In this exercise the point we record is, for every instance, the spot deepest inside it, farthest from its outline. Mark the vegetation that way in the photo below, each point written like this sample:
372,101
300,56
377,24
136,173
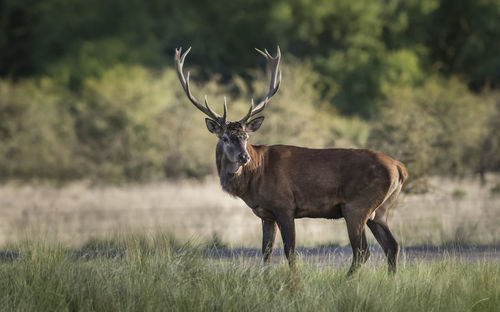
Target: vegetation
88,94
357,46
87,89
438,129
133,124
162,274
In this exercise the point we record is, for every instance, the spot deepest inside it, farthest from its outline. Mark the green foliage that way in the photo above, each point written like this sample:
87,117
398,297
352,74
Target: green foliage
357,47
466,43
490,145
90,82
297,115
36,131
117,123
131,123
435,129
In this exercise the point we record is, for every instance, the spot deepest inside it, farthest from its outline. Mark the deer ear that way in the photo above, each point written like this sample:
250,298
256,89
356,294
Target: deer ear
213,127
254,124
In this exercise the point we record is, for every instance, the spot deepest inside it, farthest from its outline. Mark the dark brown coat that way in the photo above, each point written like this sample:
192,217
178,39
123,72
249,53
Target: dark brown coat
282,183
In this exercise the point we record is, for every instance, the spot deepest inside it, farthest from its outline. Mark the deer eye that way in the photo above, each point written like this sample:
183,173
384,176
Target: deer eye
225,140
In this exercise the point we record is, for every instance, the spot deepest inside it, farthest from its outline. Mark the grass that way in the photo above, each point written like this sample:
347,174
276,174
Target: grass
158,273
74,213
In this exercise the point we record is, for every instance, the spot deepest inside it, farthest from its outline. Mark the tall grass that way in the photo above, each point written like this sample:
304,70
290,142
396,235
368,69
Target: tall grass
161,274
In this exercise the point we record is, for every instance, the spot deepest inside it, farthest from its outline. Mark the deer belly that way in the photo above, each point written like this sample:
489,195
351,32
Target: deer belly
319,211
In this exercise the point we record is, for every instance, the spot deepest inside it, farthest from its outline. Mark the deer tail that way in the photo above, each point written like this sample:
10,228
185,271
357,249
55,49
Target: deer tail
403,173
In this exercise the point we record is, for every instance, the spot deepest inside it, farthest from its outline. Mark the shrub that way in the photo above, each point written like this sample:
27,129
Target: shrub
297,115
435,129
36,131
134,124
490,145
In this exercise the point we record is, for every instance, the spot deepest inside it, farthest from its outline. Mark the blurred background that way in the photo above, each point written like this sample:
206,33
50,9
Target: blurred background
96,134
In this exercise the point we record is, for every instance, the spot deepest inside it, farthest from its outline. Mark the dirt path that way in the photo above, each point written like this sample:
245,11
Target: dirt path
340,256
323,256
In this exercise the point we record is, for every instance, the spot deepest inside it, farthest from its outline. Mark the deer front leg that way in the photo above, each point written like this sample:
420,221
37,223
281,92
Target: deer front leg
287,229
268,237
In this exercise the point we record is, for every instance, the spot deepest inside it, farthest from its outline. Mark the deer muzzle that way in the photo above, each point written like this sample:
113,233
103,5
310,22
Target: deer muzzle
244,158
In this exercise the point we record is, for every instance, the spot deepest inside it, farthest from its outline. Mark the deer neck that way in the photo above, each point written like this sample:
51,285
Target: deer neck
235,178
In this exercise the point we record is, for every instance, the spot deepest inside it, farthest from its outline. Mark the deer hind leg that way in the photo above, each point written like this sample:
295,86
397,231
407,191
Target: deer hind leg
268,238
381,231
382,211
357,236
384,237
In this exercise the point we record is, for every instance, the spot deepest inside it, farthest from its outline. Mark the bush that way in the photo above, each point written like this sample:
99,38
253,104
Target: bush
490,146
36,131
123,123
298,116
135,124
435,129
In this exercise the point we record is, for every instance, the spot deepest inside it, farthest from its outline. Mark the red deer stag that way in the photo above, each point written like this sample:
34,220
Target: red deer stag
280,183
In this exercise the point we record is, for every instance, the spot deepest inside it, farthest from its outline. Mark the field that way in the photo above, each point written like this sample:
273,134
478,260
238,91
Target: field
157,273
109,199
181,247
453,212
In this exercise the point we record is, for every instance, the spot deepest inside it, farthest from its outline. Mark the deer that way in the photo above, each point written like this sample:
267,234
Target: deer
281,183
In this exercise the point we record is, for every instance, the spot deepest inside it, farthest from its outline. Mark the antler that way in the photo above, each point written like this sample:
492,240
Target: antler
179,62
274,63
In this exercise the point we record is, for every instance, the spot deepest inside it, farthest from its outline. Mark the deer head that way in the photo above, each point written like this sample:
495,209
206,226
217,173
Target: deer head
233,136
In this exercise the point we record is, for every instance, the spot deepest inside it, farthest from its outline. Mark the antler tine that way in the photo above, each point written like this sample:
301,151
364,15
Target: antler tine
274,63
179,61
225,111
208,107
244,119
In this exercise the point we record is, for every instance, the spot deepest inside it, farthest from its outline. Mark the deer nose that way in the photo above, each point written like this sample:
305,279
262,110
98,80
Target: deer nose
244,158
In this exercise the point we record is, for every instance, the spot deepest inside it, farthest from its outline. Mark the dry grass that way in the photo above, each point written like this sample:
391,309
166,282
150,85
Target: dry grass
453,212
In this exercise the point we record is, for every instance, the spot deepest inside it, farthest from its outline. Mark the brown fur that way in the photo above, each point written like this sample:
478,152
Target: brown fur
282,183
